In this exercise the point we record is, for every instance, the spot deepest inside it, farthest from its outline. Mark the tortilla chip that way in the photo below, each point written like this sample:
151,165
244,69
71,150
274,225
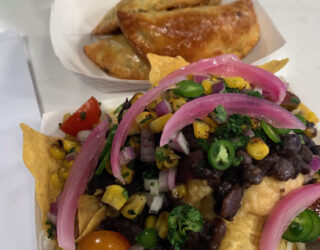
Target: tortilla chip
274,65
162,66
94,222
88,205
307,113
41,164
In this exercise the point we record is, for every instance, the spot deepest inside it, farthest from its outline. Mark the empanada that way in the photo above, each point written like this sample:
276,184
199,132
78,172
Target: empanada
115,56
109,23
193,33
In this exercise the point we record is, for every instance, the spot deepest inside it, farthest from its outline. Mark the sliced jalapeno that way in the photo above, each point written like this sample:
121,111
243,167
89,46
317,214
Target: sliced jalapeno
315,232
188,88
270,132
299,228
221,154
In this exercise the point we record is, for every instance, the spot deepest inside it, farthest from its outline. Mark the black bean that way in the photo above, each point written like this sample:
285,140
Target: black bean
223,188
299,165
232,202
291,144
247,160
283,170
267,163
305,153
316,149
219,231
252,175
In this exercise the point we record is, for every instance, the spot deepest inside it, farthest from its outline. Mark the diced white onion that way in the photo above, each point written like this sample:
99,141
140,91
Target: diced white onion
154,188
147,183
82,135
156,204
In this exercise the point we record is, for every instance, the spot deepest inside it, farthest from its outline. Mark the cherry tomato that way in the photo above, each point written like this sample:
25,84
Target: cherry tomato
83,119
104,240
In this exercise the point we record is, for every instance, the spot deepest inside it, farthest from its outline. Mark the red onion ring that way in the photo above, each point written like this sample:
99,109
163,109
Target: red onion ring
79,176
233,103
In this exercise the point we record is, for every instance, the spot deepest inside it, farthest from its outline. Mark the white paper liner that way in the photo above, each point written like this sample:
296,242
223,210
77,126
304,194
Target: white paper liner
72,21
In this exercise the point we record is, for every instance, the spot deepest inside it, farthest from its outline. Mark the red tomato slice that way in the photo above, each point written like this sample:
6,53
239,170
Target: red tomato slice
83,119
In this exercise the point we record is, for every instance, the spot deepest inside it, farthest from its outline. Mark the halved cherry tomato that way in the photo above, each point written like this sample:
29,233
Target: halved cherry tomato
104,240
83,119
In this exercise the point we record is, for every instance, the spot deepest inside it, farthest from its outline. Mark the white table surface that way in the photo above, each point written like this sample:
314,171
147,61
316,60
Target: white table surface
297,20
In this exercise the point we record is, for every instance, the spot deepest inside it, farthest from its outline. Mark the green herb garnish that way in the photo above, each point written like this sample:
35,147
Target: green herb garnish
221,113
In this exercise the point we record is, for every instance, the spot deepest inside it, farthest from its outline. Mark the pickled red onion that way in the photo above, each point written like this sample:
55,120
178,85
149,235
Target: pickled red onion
233,103
80,174
261,78
284,212
143,101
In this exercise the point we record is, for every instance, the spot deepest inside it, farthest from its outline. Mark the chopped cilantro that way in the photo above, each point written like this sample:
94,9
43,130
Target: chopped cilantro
125,194
160,156
221,113
60,124
203,144
51,231
145,120
234,128
231,90
295,100
72,150
125,174
254,93
83,115
152,184
151,173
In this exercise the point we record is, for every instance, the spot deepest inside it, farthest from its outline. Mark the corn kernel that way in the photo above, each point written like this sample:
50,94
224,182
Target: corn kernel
134,206
57,150
257,148
127,174
136,97
56,181
157,125
63,173
143,119
201,129
150,221
162,225
134,129
134,142
114,196
67,164
177,102
207,85
69,145
213,125
179,192
237,82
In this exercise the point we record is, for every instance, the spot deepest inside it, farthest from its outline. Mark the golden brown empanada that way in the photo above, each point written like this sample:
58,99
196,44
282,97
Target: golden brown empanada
115,56
109,23
193,33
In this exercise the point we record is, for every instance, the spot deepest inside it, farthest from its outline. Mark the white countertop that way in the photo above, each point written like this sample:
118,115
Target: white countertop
57,88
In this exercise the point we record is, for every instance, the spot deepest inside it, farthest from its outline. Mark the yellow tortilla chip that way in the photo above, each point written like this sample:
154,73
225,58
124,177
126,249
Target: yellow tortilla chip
88,205
41,164
95,221
162,66
307,113
274,65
